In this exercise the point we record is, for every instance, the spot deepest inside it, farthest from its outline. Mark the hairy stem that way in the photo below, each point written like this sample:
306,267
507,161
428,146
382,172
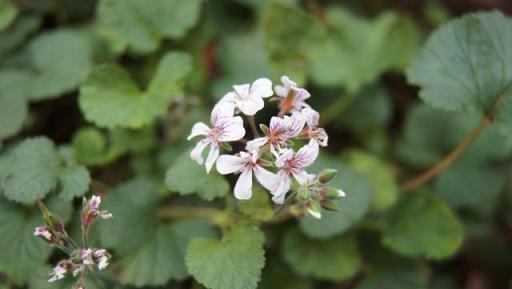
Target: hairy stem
460,149
254,128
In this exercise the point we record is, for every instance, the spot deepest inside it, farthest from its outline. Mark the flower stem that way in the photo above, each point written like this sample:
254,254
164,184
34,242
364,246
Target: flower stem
460,149
254,128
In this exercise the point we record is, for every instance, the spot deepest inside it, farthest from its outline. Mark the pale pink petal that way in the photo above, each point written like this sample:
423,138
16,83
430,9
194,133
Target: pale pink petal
221,110
256,143
242,90
232,128
227,164
196,153
302,177
264,177
301,95
306,155
212,156
250,105
262,87
198,129
288,83
243,186
284,155
294,124
280,187
228,97
277,123
312,117
280,91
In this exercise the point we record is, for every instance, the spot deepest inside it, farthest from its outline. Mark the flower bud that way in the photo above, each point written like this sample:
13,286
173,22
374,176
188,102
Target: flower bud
53,222
329,205
314,210
264,128
327,175
332,193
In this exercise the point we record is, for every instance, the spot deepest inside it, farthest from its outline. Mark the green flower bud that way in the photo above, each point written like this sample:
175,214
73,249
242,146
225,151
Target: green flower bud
327,175
332,193
314,210
329,205
303,193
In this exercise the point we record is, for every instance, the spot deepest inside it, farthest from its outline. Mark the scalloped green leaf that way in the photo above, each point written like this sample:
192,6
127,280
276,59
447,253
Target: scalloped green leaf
333,259
466,66
110,97
136,26
35,168
423,225
234,262
13,111
8,13
19,31
186,177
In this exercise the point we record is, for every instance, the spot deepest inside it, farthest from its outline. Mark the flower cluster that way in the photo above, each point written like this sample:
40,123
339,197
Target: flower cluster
272,157
80,258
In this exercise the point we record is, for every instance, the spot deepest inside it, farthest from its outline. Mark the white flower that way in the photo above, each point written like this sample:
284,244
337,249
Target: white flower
42,231
86,257
314,132
279,132
101,257
59,272
292,97
293,164
225,128
249,98
93,209
247,164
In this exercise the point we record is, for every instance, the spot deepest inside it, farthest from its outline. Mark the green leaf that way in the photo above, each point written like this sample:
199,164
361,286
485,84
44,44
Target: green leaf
133,206
423,225
162,257
58,61
333,259
288,33
471,184
235,262
378,173
13,111
36,168
22,253
186,177
74,181
352,55
420,144
139,27
92,147
258,207
15,35
466,66
352,208
110,98
8,13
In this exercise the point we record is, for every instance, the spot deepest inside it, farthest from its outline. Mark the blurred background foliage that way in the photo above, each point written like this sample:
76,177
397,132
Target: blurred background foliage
100,95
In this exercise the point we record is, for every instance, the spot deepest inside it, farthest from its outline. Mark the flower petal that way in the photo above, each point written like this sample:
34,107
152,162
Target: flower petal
242,90
306,155
250,105
227,164
261,87
232,128
280,187
243,186
294,124
222,110
312,117
196,153
264,177
302,177
256,143
284,155
198,129
212,156
288,83
280,91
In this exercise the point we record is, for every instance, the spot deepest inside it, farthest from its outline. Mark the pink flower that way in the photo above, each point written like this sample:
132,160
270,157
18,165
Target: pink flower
292,97
249,98
314,132
60,271
280,131
292,164
101,257
91,211
86,257
43,232
246,164
225,128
